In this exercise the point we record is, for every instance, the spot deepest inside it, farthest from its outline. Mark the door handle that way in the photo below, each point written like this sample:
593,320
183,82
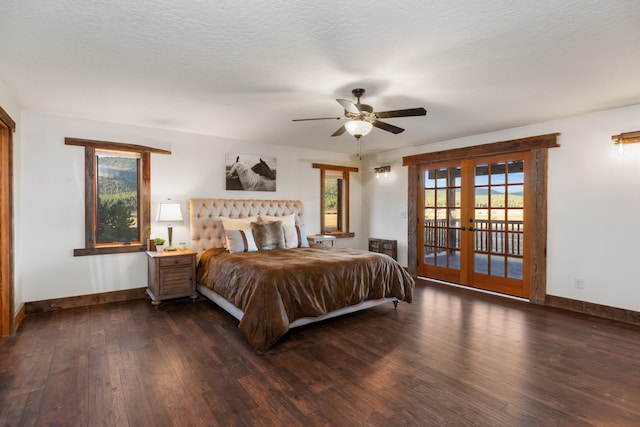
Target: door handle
463,228
472,229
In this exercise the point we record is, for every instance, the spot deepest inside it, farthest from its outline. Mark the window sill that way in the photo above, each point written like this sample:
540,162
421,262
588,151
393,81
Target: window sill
104,250
340,234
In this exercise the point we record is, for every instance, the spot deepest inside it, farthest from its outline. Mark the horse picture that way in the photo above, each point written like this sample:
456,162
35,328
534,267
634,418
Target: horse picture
263,169
259,177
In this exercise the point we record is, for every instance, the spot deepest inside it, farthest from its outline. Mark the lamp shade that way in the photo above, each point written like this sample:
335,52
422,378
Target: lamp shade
169,212
358,128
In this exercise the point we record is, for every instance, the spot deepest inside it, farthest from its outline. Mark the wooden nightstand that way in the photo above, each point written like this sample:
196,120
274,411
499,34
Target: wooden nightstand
387,247
171,275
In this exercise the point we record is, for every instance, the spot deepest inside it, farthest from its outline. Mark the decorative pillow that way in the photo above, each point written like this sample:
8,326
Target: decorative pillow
236,224
291,238
240,241
301,236
268,235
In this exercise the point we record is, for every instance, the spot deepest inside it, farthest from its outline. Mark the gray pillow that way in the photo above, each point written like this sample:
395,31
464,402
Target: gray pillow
268,235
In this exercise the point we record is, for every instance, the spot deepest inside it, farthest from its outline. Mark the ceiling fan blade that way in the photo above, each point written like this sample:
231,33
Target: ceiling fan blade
388,127
402,113
339,131
317,118
349,106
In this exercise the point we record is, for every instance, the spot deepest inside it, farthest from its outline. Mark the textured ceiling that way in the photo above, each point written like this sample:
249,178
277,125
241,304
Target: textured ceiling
244,69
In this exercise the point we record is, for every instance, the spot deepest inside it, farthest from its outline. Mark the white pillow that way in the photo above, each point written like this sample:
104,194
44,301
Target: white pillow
240,241
301,235
294,236
236,224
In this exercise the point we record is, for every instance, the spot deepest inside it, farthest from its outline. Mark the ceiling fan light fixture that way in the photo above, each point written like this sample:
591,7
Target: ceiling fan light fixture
358,128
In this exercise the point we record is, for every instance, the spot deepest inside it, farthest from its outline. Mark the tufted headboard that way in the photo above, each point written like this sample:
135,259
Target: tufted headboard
204,217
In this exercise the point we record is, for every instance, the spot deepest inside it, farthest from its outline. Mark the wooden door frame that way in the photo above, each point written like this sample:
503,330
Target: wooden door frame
537,146
7,128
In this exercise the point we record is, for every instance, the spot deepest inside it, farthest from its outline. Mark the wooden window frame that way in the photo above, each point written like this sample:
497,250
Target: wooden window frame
90,199
345,190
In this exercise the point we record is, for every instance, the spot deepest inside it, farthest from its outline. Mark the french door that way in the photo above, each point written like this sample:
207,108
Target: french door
474,217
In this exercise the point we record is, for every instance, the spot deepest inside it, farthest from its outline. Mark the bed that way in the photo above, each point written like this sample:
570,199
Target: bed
272,291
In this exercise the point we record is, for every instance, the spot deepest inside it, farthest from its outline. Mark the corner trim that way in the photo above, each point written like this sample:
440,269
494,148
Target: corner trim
55,304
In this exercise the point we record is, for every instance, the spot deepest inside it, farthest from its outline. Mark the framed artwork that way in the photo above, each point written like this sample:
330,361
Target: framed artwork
247,172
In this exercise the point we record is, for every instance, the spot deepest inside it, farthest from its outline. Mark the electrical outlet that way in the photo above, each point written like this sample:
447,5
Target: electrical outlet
403,214
579,284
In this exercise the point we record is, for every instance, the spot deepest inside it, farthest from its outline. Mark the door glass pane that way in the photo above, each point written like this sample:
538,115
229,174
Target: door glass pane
429,179
515,244
456,194
454,239
496,265
515,196
481,215
454,218
481,265
429,216
497,196
441,178
454,259
514,268
480,237
516,172
441,197
429,198
455,175
481,197
497,242
482,175
515,215
497,173
497,219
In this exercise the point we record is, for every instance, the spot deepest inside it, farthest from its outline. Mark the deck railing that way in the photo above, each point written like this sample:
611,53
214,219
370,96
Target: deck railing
489,235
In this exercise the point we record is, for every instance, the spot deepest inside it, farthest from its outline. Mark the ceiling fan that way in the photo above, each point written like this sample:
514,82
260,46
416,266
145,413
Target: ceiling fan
361,117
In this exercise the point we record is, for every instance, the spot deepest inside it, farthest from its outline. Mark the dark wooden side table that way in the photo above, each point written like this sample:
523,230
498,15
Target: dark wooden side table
387,247
172,274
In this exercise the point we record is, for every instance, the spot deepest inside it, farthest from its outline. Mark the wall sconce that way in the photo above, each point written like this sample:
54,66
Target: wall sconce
382,170
625,138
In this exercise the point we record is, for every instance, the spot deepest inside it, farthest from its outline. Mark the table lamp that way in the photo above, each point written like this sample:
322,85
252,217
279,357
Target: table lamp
169,212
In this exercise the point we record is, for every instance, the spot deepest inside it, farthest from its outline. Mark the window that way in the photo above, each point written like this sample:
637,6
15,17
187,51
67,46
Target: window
118,193
117,196
334,195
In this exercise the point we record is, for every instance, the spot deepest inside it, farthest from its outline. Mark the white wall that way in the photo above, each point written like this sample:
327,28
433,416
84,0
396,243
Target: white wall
385,198
52,191
593,204
594,195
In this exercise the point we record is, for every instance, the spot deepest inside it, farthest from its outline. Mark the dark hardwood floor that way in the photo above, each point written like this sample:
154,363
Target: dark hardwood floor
452,357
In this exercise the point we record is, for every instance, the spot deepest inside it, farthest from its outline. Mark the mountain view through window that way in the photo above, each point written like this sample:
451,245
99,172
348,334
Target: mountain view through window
117,189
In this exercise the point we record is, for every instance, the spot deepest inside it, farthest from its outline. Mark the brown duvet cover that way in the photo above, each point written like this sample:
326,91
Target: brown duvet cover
274,288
